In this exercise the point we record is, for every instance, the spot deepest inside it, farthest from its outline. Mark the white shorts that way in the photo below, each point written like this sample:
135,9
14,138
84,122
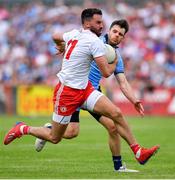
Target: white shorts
91,100
61,119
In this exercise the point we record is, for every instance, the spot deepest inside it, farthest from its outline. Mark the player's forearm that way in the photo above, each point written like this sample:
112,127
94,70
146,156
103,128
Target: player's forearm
126,89
128,92
57,38
111,67
57,42
105,72
105,68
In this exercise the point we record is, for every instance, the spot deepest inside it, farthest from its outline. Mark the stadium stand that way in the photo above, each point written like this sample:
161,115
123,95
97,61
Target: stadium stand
28,54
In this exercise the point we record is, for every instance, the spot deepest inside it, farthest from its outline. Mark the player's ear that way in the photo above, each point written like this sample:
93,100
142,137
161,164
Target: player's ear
123,37
87,24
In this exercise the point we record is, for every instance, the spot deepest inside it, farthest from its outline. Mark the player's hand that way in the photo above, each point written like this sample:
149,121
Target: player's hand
60,48
139,107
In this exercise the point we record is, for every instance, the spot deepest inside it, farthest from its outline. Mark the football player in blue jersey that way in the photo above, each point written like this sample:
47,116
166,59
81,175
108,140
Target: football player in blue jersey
116,34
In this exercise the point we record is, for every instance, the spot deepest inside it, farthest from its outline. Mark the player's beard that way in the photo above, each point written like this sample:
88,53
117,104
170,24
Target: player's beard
114,43
97,32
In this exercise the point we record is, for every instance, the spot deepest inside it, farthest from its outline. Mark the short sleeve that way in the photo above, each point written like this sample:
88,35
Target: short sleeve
120,66
97,48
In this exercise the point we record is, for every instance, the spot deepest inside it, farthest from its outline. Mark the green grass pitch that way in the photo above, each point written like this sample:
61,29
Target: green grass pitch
88,155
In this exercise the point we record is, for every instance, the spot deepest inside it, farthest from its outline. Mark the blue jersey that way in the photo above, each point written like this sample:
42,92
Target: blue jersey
95,74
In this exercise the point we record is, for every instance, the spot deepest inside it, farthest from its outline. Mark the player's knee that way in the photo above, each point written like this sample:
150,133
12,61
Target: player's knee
112,129
55,140
72,133
116,113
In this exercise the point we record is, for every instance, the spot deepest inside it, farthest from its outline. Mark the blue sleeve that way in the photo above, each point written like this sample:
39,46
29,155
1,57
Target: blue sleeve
120,66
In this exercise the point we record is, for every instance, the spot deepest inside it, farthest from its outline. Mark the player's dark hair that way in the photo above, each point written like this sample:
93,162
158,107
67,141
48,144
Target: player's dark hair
88,13
122,23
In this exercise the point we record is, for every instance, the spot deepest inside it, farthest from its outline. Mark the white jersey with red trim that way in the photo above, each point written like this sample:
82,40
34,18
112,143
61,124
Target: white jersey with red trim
81,48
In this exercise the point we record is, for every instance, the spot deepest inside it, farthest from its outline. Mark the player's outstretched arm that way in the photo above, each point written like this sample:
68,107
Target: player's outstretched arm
128,92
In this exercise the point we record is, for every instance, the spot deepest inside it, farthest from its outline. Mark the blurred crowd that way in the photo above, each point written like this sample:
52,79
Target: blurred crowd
28,52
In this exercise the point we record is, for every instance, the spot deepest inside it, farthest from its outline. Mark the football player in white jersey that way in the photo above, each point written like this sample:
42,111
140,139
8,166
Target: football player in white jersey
116,34
74,90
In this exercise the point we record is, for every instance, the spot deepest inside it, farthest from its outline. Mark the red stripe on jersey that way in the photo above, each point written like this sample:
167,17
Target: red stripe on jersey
73,44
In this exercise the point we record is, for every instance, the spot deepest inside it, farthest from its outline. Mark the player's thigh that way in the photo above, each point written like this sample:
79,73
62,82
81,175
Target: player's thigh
57,131
91,100
107,122
106,108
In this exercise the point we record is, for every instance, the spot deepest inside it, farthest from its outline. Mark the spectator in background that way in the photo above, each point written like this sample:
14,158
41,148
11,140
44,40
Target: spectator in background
25,27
